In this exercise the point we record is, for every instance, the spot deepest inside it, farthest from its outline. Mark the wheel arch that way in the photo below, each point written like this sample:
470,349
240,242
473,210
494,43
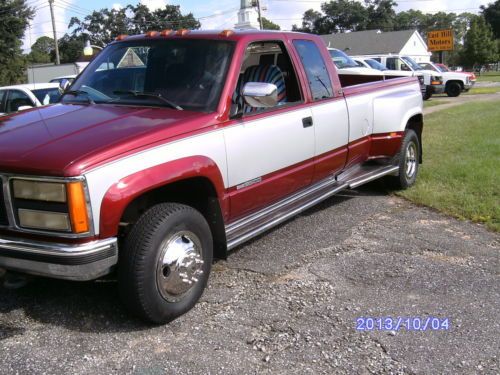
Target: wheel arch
416,123
194,181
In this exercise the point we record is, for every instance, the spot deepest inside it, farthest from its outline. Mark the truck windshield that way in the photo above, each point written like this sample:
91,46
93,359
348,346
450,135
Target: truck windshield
376,65
176,73
412,63
341,60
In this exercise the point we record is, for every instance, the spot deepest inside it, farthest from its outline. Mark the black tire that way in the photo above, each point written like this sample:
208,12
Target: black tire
427,95
407,177
453,89
139,278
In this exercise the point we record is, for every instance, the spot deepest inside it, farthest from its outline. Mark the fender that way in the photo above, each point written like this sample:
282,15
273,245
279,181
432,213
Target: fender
123,192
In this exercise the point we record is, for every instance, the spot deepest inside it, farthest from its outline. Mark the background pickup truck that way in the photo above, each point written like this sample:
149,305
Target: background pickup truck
454,82
172,148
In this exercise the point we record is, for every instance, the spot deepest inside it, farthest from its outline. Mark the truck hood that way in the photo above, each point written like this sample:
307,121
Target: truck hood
66,140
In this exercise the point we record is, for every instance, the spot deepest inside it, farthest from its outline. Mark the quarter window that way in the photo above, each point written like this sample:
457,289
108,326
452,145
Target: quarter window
315,67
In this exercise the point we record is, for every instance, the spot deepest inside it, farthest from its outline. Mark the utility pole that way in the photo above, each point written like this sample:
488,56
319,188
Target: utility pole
257,4
51,5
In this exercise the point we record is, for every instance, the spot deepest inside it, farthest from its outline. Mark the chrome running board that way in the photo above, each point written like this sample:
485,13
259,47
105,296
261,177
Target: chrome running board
261,221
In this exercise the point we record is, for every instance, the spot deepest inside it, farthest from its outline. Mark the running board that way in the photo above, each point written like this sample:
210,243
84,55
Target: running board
261,221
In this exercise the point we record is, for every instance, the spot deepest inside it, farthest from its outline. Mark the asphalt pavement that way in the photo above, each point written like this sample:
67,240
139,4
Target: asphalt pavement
289,303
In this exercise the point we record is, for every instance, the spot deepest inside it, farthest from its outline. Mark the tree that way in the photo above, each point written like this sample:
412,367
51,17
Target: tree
269,25
479,46
41,50
14,19
491,13
310,21
411,19
105,25
381,14
342,16
71,47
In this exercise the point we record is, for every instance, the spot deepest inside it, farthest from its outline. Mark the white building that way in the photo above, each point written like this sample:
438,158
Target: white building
248,17
374,42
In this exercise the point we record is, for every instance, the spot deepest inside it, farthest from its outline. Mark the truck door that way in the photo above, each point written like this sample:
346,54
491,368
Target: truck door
329,110
270,151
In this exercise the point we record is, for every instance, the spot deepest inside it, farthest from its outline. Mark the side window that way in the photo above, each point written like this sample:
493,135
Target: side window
391,63
17,99
315,67
267,62
2,97
378,59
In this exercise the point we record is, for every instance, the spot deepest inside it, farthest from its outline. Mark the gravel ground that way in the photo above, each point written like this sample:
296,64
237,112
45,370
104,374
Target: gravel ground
287,302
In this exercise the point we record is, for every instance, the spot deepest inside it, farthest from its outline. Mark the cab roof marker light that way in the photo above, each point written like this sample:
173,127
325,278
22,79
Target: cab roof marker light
182,32
151,34
121,37
227,33
167,32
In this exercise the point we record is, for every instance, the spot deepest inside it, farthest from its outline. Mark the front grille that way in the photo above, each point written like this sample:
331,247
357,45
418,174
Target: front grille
3,211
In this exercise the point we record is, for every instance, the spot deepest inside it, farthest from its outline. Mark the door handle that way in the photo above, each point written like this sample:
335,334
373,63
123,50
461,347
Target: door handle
307,122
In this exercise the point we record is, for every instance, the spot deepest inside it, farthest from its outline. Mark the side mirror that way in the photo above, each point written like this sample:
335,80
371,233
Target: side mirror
260,95
64,84
24,108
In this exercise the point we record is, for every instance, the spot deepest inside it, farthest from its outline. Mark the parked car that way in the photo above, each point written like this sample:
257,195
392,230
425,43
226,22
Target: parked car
446,68
433,80
190,146
454,82
345,64
374,64
21,97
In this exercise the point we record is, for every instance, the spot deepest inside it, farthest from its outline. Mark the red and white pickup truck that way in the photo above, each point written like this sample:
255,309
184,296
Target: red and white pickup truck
172,148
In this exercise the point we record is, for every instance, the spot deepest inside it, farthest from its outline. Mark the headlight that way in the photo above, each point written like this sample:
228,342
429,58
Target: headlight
39,191
435,80
53,206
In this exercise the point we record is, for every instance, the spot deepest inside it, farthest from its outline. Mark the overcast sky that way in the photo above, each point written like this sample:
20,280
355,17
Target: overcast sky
216,14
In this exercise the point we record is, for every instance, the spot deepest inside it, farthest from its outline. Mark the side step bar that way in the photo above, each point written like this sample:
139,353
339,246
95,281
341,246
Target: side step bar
261,221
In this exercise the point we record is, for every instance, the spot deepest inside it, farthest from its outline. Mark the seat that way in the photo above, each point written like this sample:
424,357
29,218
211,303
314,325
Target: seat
264,74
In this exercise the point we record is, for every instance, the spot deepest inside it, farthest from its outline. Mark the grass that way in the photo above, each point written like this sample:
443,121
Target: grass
483,90
460,175
489,77
433,103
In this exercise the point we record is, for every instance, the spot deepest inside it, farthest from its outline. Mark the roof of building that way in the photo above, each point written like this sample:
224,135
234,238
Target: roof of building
369,42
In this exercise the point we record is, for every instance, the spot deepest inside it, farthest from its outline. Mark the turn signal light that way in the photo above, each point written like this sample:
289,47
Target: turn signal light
77,203
151,34
182,32
121,37
227,33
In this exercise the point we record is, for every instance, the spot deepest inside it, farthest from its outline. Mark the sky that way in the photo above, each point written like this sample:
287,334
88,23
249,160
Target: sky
214,14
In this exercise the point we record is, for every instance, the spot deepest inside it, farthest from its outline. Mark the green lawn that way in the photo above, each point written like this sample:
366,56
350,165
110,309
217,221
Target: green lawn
489,77
461,171
483,90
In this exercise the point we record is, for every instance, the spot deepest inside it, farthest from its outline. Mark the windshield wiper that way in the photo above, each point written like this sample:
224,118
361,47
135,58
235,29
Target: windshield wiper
78,93
149,95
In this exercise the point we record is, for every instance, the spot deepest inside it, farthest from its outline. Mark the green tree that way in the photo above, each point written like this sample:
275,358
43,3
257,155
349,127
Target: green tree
310,21
342,16
14,19
411,19
41,50
105,25
491,13
71,47
479,46
269,25
381,14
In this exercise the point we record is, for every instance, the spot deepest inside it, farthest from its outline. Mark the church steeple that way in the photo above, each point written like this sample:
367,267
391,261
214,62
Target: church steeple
248,17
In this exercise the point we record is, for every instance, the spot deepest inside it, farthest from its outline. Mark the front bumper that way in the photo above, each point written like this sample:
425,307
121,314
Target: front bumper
470,85
80,262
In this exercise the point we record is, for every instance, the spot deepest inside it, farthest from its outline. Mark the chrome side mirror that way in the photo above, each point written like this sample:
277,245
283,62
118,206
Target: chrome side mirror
64,84
260,95
24,108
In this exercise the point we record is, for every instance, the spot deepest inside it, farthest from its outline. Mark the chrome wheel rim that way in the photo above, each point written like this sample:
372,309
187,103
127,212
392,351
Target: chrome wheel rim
180,265
411,160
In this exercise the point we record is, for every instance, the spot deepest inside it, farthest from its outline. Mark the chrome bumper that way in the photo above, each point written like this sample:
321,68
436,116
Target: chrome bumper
81,262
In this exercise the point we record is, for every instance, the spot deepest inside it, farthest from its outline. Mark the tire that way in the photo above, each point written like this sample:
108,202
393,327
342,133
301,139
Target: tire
453,89
427,95
168,248
408,161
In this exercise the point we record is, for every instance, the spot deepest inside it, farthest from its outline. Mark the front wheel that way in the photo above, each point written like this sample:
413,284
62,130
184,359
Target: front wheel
165,263
427,95
453,89
408,161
